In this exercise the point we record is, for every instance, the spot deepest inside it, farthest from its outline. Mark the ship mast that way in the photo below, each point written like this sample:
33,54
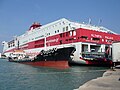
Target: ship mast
89,22
99,22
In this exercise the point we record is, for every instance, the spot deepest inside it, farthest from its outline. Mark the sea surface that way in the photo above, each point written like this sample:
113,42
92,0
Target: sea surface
16,76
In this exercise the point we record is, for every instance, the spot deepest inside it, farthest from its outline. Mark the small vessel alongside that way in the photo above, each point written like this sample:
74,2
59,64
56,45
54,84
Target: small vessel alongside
96,58
56,57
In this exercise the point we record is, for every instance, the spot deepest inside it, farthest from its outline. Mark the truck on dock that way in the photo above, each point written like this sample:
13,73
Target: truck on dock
116,53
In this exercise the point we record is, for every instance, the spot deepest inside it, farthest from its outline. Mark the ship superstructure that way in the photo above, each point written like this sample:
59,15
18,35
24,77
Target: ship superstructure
85,37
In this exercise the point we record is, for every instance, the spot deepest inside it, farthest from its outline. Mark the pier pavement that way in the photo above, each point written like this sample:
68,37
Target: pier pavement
109,81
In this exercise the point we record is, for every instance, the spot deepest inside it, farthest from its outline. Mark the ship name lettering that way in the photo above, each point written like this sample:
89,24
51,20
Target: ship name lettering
107,37
52,40
96,35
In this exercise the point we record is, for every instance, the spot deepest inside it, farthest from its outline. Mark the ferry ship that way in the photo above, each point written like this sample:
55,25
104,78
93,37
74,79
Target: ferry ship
92,43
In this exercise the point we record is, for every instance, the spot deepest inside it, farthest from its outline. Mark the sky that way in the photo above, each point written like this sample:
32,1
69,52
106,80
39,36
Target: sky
16,16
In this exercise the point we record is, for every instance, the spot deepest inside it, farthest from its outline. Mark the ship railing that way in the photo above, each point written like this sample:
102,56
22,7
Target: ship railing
93,53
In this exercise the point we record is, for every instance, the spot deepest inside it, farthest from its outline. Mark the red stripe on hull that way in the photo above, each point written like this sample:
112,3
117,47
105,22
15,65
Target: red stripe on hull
102,63
54,64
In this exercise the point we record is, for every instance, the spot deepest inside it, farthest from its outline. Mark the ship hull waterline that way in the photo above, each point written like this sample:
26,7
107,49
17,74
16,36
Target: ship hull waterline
53,64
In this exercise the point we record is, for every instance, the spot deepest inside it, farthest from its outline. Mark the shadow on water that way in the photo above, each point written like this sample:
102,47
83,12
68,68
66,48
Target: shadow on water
15,76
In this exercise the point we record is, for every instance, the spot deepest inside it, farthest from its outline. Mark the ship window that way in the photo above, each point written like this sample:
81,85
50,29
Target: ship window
64,29
74,33
60,35
102,40
67,28
71,33
60,41
71,39
63,22
67,33
48,33
66,39
56,31
63,35
109,40
84,37
73,28
96,39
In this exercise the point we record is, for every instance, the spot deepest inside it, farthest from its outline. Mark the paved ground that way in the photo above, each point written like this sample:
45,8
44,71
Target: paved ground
109,81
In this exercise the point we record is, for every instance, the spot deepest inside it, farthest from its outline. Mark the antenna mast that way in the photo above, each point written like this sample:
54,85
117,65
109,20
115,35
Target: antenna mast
99,22
89,22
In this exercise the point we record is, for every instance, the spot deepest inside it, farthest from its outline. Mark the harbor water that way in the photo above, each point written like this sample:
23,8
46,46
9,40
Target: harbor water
16,76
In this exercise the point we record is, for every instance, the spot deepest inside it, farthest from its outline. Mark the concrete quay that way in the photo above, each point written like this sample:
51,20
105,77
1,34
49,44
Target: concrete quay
109,81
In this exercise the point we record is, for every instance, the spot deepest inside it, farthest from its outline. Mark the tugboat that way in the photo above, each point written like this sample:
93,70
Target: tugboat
56,57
